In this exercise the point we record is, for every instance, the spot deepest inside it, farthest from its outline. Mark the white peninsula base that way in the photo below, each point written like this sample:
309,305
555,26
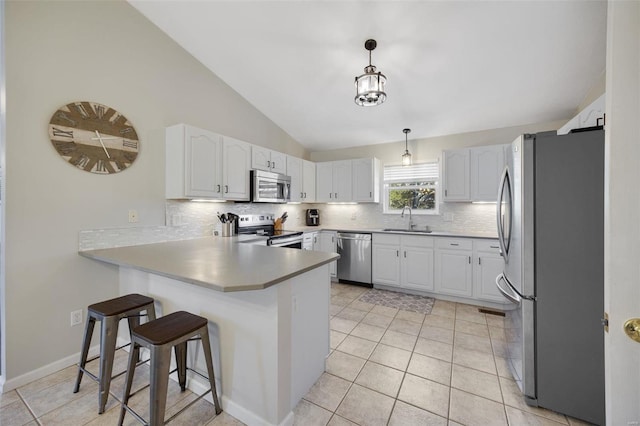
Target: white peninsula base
269,345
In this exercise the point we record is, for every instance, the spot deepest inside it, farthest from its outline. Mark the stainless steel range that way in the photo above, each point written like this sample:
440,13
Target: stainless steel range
263,224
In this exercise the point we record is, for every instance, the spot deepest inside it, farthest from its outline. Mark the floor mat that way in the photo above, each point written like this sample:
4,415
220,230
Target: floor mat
403,301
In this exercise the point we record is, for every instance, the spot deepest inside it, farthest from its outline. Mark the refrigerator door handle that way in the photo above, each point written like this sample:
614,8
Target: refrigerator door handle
503,179
507,292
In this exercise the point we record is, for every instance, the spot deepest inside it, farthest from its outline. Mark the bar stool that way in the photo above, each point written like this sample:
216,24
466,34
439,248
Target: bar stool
109,313
159,336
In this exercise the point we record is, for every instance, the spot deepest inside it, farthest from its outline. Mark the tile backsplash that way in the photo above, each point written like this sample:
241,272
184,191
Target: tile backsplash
189,219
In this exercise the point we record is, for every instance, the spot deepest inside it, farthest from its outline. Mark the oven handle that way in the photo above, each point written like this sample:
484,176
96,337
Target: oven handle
284,241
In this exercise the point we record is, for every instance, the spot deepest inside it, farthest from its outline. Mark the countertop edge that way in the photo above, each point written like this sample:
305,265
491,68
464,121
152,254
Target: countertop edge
407,232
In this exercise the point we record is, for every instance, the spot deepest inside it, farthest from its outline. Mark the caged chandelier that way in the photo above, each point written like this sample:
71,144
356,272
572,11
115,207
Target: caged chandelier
370,85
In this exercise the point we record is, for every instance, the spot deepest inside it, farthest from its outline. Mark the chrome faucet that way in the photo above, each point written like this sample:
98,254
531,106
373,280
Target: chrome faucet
410,227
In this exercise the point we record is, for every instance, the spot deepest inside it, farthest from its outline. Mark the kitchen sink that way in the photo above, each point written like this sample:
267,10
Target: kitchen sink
421,231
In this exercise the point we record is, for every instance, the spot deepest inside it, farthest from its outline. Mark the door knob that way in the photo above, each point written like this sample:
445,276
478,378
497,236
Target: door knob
632,328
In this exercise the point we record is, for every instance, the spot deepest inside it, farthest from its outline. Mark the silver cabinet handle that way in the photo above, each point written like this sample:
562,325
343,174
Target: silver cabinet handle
469,260
305,195
397,253
405,254
219,188
494,246
454,244
330,195
479,261
268,164
273,164
336,194
445,192
370,194
301,195
226,189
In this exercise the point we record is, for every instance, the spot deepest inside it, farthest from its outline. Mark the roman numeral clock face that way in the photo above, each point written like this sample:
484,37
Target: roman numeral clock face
94,137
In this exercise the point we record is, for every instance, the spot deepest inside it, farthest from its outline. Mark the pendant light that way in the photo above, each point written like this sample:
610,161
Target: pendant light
406,157
370,85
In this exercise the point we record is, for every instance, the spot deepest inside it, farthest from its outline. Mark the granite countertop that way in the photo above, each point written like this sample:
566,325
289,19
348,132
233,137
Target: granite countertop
218,263
407,232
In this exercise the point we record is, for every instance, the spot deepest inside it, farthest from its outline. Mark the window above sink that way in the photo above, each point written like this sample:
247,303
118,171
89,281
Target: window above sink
415,186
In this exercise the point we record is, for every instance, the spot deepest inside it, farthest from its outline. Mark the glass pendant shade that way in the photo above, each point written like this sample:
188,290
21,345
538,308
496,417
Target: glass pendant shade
370,87
406,158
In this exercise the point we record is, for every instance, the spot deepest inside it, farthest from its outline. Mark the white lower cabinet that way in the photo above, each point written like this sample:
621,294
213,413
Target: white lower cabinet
385,257
328,241
487,265
403,260
453,269
417,263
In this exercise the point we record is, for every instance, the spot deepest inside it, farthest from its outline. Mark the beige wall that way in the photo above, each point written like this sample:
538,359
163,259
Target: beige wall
431,148
58,52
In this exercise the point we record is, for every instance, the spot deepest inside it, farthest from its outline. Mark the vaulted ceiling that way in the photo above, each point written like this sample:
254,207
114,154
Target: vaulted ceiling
451,66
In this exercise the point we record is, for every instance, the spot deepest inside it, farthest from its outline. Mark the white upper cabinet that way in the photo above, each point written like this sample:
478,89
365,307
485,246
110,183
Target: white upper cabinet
334,181
203,164
303,179
266,159
235,169
308,181
456,175
366,175
486,166
591,116
473,174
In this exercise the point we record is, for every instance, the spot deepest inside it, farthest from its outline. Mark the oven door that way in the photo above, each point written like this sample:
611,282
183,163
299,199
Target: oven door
267,187
293,241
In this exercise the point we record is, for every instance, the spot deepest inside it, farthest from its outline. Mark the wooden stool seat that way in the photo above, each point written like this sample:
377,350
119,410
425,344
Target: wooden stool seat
160,336
109,313
168,328
120,305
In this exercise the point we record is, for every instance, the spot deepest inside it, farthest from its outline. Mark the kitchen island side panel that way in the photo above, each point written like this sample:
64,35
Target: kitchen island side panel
255,345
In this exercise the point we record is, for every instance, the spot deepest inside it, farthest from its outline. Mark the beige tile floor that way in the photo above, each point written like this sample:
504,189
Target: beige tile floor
386,367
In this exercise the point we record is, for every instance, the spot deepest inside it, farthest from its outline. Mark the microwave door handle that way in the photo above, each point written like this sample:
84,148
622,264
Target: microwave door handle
287,189
503,180
508,292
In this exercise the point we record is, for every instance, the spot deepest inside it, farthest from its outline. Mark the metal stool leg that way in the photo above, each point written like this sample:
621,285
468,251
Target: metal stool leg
133,356
206,348
86,342
160,364
109,334
181,364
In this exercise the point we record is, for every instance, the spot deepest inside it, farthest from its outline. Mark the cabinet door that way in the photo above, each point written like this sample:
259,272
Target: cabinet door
385,267
342,181
260,158
417,269
308,181
453,272
487,164
456,175
236,165
279,162
487,267
294,169
327,241
366,180
202,157
324,182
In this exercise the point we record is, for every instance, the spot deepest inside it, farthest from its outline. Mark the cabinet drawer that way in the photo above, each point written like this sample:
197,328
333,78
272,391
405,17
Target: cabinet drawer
487,245
386,239
417,241
454,243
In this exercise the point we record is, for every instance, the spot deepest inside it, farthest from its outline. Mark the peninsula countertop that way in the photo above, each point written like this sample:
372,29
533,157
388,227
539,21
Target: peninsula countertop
219,263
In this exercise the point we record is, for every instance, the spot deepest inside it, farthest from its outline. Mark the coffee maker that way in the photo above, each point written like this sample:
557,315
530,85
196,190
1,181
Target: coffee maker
313,217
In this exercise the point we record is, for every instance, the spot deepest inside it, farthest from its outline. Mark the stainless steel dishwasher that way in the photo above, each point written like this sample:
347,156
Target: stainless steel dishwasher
354,264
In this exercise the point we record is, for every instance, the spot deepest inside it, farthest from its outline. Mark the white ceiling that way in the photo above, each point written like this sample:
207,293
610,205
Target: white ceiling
451,66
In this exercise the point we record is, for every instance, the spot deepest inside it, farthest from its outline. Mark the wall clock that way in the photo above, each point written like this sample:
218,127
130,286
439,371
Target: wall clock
94,137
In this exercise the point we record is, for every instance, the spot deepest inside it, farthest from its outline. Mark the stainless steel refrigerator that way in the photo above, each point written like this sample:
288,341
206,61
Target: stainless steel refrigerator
551,232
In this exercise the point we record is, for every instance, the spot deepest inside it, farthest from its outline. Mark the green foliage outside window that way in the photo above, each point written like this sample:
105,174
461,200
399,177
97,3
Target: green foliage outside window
417,195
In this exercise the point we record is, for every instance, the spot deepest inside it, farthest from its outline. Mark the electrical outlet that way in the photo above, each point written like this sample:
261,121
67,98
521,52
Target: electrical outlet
133,216
76,317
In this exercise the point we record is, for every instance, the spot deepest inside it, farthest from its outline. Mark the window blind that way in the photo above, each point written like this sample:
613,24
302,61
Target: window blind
415,172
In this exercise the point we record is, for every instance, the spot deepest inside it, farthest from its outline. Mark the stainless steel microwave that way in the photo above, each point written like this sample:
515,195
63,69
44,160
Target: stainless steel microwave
269,187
